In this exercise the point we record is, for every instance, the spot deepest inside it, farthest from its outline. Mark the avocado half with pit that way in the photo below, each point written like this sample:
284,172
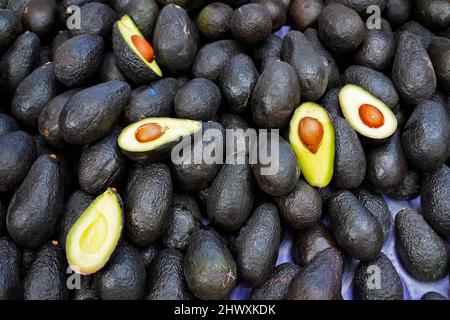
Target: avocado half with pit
134,54
152,139
311,135
366,114
94,236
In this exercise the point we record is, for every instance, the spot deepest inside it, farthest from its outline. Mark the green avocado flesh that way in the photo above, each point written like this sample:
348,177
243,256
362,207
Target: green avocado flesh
317,167
127,29
95,235
351,98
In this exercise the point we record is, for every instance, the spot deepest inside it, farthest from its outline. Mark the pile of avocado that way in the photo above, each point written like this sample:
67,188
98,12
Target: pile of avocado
99,201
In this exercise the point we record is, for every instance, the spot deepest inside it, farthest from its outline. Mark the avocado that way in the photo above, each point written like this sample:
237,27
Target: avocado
49,122
39,16
426,136
308,243
86,290
109,69
209,267
276,94
148,203
263,53
434,14
304,14
435,196
276,10
95,18
185,221
410,60
386,165
427,259
389,287
277,174
431,295
373,81
35,208
419,30
366,114
311,135
149,254
199,99
78,59
440,56
33,94
277,285
124,277
361,6
302,207
7,124
237,82
330,102
144,14
3,212
59,39
10,261
340,28
311,72
213,57
17,156
91,113
134,57
18,62
354,228
9,29
348,150
166,278
410,187
398,11
17,6
230,197
153,138
320,279
214,20
28,256
251,24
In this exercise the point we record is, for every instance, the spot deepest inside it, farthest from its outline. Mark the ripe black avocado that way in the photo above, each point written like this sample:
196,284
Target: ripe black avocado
277,285
96,18
409,188
330,101
10,262
3,212
434,14
149,254
440,56
270,48
39,16
431,295
144,14
305,13
398,11
361,6
214,20
9,29
251,24
109,70
7,124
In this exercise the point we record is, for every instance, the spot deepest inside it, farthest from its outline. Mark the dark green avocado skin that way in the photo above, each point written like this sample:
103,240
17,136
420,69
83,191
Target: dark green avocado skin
174,40
144,14
230,197
35,208
304,14
398,11
302,207
433,296
320,279
148,203
18,62
96,18
270,49
419,30
276,287
256,246
10,260
355,229
348,149
426,136
391,287
251,24
311,72
386,165
412,59
101,165
276,95
75,205
78,59
46,279
427,259
435,200
33,94
214,20
440,56
9,29
410,187
7,124
166,277
373,81
330,102
310,242
109,70
434,14
124,277
209,267
91,113
17,156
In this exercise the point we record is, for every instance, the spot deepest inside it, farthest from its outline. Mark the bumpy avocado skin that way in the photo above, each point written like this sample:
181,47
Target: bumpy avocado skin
355,229
109,70
209,267
426,136
433,296
9,29
7,124
166,277
433,13
46,279
361,6
3,212
427,259
410,187
39,16
391,287
270,49
440,56
96,18
148,202
214,20
330,102
251,24
419,30
398,11
10,261
304,13
144,14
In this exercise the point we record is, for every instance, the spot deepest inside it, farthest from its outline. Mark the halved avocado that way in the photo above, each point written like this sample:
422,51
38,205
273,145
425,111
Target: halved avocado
152,139
95,235
311,135
132,52
366,114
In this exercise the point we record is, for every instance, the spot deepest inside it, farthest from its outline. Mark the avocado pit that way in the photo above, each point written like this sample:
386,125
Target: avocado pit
310,131
371,116
143,47
149,132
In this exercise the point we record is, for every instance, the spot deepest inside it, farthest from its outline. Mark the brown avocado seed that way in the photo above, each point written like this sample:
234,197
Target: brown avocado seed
310,131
